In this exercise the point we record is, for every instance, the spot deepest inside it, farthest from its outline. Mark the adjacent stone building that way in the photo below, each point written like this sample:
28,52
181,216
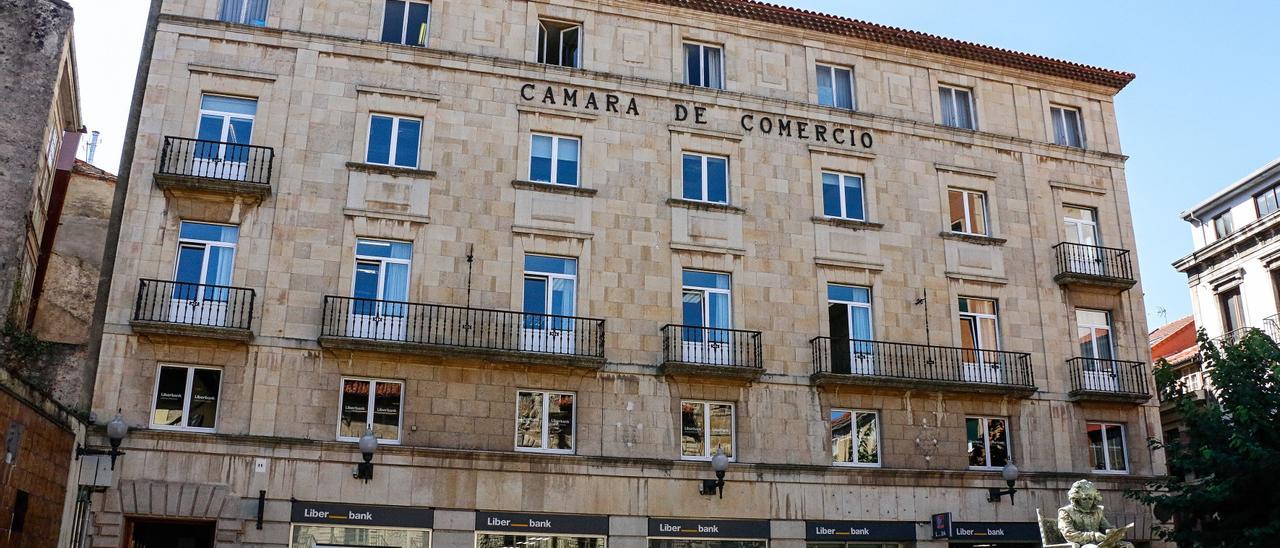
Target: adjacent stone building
556,258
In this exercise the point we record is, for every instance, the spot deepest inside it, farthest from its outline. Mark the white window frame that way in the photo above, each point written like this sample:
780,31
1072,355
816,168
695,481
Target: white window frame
186,398
968,214
849,313
1106,454
854,434
1058,114
242,17
404,24
555,160
728,197
1093,331
986,440
544,32
862,184
973,111
546,417
395,140
373,390
707,450
382,266
205,245
550,278
51,148
977,317
702,47
706,302
853,90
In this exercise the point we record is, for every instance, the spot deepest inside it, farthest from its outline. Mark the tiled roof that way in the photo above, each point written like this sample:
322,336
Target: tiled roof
1184,355
1158,334
89,170
832,24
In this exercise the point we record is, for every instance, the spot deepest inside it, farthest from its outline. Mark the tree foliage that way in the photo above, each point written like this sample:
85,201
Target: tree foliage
1223,487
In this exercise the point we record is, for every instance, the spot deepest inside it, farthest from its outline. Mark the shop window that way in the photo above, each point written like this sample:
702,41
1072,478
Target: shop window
988,442
370,404
855,437
705,427
186,398
544,421
1107,447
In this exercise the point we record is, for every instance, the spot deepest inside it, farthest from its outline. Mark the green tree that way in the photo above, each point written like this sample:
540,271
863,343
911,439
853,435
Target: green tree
1223,486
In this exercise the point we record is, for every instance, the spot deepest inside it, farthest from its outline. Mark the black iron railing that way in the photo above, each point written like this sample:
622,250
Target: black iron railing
918,362
216,160
1092,260
202,305
1232,337
1271,326
711,346
440,325
1108,376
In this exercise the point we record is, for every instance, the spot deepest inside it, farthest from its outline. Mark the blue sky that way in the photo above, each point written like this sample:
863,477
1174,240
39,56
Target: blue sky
1202,113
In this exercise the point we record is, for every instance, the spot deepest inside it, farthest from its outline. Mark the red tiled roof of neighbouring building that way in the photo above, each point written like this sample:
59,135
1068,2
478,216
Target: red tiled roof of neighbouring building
1174,338
87,169
844,26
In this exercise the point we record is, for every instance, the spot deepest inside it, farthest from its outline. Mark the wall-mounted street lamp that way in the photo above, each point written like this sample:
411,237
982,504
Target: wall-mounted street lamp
368,444
1010,475
116,431
719,464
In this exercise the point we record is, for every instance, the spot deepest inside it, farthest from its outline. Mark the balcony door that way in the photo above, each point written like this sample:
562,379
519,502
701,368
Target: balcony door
1081,224
226,125
550,293
980,341
206,254
1232,314
706,308
1093,334
380,290
855,302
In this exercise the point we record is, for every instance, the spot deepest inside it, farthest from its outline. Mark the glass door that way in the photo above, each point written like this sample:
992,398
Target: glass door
206,253
550,295
380,290
980,341
226,126
1082,229
1093,333
857,304
706,309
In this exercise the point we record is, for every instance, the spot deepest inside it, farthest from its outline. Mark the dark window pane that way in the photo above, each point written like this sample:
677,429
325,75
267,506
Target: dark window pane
170,394
998,433
977,443
868,439
407,143
569,43
718,180
1097,455
853,197
560,422
841,436
354,412
540,159
379,150
386,410
542,42
831,195
693,65
204,397
393,22
529,419
692,434
416,30
692,177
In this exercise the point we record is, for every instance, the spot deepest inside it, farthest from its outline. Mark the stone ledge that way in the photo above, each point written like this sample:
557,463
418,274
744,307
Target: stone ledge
392,170
854,224
1109,397
838,379
191,183
973,238
184,330
1110,283
553,188
705,206
699,370
517,357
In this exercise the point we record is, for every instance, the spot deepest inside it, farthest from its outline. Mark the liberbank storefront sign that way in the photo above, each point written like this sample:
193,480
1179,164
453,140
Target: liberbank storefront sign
749,533
744,121
860,531
338,524
520,529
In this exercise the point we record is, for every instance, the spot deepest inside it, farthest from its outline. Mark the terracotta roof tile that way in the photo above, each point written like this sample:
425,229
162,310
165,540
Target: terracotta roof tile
1158,334
844,26
87,169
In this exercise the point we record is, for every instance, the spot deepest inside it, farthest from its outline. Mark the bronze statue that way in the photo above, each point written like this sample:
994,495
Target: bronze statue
1082,522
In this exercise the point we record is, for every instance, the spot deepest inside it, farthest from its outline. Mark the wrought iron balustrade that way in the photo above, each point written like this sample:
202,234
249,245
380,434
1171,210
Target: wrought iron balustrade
906,362
197,305
1109,377
461,327
216,160
1091,261
712,346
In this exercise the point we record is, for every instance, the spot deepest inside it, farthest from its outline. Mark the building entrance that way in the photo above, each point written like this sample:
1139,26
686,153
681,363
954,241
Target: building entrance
168,534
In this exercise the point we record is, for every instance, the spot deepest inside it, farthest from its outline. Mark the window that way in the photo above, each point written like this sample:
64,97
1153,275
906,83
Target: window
224,123
51,148
554,159
245,12
1232,308
1081,224
835,87
1222,225
369,403
186,398
206,253
855,437
980,339
706,178
703,66
842,196
968,211
550,287
544,421
558,43
406,22
1267,202
706,300
856,302
704,427
1107,448
379,290
988,442
1093,333
1067,128
957,107
393,141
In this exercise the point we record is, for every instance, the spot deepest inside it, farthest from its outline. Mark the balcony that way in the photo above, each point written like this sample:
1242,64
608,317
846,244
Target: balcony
1094,267
200,310
215,167
432,329
1108,380
710,352
918,366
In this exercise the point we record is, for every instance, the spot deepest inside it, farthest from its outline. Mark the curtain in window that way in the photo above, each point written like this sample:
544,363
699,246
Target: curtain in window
256,13
218,272
711,57
562,299
826,88
947,99
395,287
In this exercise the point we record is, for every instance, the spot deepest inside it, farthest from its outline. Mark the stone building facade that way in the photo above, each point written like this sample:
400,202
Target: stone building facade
554,254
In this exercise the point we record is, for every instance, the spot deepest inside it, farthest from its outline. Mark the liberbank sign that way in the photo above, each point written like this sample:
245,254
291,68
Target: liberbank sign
333,513
747,121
